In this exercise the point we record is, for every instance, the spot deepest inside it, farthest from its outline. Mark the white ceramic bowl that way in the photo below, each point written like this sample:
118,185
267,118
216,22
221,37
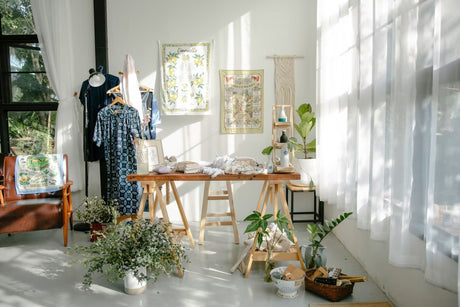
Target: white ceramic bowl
286,288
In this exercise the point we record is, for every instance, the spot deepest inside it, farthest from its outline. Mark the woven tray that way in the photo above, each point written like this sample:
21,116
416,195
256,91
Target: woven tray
330,292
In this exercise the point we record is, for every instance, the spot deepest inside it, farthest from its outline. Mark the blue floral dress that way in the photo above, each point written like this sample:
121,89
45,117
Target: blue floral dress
115,127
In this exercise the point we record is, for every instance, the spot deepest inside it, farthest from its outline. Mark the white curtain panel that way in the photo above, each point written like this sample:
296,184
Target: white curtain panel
389,124
52,20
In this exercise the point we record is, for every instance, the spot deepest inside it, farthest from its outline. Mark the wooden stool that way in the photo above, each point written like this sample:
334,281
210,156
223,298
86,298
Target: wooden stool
318,211
217,195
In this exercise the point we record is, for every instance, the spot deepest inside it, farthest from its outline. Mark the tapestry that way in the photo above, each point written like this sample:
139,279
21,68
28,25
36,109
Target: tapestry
39,174
185,78
242,101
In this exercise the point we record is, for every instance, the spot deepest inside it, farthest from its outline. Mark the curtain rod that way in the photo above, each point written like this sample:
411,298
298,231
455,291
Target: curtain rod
284,56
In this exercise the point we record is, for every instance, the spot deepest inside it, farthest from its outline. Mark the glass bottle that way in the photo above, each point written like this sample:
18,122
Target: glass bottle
282,116
284,161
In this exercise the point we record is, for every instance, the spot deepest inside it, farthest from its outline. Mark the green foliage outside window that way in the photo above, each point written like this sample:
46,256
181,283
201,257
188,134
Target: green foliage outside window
31,131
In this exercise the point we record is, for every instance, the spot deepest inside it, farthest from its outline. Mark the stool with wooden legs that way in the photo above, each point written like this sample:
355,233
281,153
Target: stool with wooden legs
217,195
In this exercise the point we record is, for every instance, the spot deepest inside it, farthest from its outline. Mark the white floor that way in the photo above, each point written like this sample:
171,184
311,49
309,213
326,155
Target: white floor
35,271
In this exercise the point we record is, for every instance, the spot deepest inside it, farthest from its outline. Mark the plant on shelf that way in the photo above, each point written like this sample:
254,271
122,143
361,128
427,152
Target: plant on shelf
142,248
303,128
96,212
305,164
313,258
270,238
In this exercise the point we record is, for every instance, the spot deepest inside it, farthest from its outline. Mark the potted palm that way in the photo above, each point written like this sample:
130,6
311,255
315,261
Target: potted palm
97,213
269,238
306,164
314,255
139,249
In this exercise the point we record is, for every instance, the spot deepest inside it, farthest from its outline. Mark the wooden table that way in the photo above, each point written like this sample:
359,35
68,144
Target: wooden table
272,192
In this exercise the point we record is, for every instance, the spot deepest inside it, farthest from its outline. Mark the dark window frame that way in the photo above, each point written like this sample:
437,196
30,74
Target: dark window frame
6,103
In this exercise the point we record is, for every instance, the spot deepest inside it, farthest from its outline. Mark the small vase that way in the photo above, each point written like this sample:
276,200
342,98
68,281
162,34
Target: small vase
310,260
269,266
132,285
282,116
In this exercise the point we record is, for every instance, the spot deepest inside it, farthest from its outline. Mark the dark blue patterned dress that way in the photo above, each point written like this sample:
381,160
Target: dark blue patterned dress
115,127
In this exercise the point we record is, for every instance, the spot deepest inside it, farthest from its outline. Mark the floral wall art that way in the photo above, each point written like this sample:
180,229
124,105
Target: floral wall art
242,101
185,78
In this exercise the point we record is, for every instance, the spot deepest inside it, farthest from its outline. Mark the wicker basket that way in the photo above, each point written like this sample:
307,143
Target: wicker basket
330,292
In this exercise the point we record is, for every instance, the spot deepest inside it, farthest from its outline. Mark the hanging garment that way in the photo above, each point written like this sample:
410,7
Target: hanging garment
152,115
129,86
115,127
96,100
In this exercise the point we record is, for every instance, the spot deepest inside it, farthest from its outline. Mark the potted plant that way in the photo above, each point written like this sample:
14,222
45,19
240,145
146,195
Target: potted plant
139,249
269,238
305,163
314,255
95,212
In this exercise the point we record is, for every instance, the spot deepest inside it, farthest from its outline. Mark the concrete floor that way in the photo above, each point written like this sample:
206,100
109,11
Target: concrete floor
35,271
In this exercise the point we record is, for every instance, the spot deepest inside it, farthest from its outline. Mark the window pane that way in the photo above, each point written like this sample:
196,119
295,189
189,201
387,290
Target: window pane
29,82
31,132
26,57
16,17
31,87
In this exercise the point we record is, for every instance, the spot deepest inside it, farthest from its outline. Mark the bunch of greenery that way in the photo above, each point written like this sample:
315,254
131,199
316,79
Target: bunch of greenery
95,210
318,232
259,224
307,122
129,246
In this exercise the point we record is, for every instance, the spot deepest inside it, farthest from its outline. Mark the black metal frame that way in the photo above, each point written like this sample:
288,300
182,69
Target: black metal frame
318,207
6,103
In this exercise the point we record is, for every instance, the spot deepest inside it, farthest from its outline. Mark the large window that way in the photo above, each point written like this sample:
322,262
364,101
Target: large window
27,103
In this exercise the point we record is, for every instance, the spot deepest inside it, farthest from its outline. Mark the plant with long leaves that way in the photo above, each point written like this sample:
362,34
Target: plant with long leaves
318,232
259,221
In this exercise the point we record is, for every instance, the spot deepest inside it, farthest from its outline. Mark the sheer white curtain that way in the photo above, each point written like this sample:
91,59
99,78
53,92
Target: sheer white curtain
389,124
52,20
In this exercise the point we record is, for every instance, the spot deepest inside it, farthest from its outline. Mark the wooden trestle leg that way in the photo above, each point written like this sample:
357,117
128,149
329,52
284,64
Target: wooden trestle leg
272,190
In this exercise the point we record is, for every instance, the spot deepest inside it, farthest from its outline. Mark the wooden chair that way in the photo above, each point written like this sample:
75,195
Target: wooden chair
30,212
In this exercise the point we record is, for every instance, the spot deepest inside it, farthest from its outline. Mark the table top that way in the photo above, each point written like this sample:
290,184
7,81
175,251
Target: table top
176,176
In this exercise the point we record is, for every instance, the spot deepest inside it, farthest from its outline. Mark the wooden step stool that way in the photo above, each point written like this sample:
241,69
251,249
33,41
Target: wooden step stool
217,195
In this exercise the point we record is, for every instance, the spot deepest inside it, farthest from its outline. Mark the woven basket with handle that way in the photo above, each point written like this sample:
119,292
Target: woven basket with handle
330,292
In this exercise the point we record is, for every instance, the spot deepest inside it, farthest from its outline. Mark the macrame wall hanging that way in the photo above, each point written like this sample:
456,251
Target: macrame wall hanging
284,79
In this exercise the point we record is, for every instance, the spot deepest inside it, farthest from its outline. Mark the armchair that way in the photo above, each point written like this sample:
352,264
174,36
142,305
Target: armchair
39,211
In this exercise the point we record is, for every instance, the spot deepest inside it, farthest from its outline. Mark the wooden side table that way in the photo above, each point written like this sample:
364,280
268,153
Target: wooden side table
318,205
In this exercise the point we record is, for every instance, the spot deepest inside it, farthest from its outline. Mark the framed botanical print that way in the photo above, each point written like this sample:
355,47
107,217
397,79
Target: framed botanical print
149,155
242,101
185,71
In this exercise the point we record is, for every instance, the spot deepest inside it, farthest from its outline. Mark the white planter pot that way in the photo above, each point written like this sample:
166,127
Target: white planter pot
133,285
307,170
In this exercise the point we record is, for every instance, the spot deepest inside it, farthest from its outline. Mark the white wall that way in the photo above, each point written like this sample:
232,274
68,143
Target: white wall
244,33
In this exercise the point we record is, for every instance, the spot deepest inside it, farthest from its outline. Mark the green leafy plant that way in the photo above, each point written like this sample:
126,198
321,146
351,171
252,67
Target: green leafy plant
94,209
129,246
318,232
307,122
259,225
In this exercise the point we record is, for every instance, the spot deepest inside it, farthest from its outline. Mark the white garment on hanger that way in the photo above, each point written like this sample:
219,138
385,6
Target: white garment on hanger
129,86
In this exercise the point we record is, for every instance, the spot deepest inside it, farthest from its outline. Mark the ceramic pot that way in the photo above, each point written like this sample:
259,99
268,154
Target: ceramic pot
320,259
134,286
307,170
96,227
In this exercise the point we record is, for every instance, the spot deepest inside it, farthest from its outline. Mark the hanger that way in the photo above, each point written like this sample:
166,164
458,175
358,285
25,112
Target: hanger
118,100
114,90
